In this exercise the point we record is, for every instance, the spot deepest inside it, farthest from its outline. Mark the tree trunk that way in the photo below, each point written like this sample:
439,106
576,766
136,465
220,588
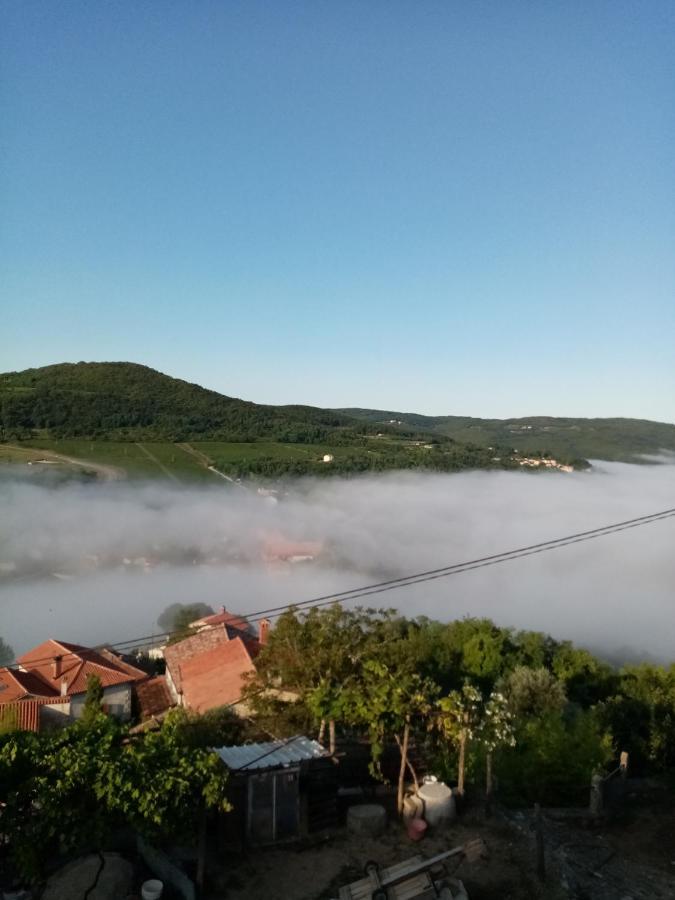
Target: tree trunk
410,766
461,763
401,771
322,731
331,737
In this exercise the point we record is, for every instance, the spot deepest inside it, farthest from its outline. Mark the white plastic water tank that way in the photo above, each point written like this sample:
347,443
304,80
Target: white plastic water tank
439,804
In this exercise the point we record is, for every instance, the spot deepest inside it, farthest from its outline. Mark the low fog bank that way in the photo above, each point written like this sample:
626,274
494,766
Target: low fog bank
99,563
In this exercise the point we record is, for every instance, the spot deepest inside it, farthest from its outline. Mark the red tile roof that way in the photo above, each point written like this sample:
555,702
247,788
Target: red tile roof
25,714
153,697
215,677
59,663
177,654
231,621
15,685
277,549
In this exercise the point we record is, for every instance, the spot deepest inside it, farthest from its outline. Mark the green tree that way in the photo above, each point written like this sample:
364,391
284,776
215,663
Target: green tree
93,702
553,759
67,791
387,701
179,615
533,692
496,729
6,653
459,715
316,656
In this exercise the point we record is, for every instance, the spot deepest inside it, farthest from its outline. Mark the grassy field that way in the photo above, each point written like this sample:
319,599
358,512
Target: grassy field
187,463
261,449
184,463
127,459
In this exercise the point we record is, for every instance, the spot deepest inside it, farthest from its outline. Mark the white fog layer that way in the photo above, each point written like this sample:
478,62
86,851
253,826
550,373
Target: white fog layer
99,563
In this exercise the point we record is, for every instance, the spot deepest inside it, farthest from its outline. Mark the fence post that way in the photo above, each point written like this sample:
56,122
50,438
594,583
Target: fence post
595,804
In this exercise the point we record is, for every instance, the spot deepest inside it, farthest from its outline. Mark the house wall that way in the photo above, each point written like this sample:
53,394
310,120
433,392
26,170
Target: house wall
116,700
54,715
175,696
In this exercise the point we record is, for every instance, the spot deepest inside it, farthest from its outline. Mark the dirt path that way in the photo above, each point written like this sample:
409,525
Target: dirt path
107,472
202,457
160,465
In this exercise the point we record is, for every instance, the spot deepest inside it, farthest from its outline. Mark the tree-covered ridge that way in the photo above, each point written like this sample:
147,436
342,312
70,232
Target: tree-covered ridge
612,439
119,400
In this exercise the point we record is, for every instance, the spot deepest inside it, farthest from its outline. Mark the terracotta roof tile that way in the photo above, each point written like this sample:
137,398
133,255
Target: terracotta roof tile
153,696
15,684
59,663
215,677
226,618
177,654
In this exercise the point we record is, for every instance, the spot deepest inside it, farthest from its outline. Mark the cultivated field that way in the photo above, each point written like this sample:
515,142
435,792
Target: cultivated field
184,462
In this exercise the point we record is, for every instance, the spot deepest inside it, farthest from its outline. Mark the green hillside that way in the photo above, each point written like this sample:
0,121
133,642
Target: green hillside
125,401
611,439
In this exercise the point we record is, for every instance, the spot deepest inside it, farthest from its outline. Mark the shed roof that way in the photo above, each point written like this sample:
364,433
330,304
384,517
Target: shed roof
271,755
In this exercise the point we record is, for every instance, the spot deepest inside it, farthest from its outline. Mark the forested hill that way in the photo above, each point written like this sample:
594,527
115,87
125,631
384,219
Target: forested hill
612,439
126,401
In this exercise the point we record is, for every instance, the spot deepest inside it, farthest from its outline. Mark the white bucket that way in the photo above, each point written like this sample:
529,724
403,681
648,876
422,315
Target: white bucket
152,889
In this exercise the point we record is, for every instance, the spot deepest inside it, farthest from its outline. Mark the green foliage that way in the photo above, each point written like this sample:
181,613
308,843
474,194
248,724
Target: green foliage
125,401
641,716
9,719
179,615
93,702
67,791
553,759
384,700
533,692
6,653
569,440
567,710
315,655
219,727
114,403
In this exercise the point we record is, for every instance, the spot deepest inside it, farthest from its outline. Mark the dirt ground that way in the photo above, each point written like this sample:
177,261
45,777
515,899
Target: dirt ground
317,872
628,853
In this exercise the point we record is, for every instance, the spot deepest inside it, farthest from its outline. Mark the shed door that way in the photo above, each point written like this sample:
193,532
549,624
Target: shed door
261,808
273,806
287,798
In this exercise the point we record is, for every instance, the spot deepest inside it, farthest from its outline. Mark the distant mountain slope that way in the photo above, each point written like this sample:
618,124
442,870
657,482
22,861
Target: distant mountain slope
611,439
129,401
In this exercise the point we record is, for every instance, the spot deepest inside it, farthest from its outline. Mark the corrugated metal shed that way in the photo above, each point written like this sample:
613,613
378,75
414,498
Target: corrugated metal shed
271,755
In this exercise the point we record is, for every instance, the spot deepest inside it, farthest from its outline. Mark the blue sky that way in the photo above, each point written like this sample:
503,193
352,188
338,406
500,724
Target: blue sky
446,207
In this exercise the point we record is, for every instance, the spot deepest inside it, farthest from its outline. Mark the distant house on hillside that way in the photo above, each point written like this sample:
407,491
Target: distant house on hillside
277,549
208,669
55,674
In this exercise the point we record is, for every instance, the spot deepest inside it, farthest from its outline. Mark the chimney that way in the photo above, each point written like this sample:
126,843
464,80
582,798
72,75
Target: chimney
56,667
223,609
263,631
64,687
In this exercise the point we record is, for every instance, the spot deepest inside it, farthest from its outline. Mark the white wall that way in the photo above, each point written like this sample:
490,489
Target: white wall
116,699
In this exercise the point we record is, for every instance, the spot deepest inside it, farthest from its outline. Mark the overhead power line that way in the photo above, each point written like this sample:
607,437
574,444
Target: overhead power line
417,578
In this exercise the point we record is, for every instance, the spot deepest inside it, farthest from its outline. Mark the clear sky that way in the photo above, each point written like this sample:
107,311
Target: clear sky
444,207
